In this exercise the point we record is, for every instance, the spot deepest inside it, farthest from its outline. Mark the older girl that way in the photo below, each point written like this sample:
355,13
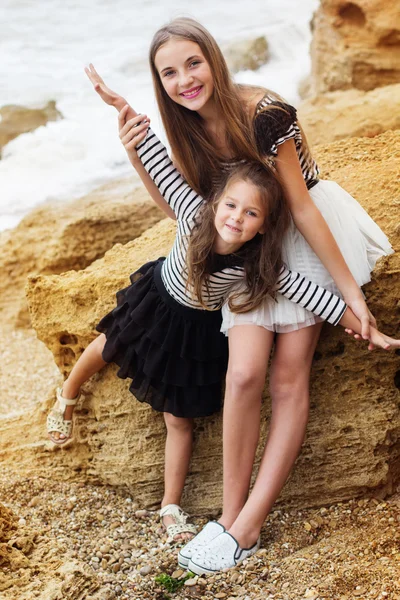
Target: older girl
212,124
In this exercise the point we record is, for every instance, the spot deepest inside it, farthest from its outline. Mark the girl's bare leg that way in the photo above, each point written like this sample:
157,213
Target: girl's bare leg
289,386
178,451
89,363
249,349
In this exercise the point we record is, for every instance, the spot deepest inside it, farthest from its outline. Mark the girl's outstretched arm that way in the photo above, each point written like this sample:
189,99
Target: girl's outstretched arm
300,290
113,99
353,325
314,228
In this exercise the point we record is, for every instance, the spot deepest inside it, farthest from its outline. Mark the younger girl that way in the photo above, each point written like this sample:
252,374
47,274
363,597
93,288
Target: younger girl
164,333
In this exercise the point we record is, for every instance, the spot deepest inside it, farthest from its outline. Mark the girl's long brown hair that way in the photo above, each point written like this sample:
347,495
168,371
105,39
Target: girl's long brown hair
191,145
262,260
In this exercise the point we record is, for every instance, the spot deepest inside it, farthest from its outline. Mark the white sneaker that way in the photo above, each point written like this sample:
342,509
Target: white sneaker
221,553
204,537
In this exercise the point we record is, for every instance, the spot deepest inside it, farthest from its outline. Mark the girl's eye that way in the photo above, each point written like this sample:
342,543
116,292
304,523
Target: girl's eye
251,213
167,73
194,63
230,205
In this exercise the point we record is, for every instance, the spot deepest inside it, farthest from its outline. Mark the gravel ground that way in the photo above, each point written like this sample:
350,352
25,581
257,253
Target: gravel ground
345,551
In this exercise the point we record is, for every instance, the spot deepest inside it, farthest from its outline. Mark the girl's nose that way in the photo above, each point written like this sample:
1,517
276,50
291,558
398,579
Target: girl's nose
185,79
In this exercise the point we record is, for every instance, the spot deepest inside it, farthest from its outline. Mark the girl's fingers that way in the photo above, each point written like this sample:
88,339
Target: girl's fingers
365,327
132,145
121,115
134,133
131,124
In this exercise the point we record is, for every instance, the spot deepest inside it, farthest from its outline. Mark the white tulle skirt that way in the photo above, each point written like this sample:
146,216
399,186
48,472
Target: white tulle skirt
360,240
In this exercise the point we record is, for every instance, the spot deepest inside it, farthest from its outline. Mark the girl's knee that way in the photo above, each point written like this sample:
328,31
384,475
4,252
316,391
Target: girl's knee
290,383
178,423
242,378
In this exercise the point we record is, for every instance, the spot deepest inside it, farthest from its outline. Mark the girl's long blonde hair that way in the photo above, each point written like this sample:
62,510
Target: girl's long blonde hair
261,256
191,145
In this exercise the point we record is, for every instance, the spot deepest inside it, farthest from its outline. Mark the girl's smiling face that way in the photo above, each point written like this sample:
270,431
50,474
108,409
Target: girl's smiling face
185,74
239,216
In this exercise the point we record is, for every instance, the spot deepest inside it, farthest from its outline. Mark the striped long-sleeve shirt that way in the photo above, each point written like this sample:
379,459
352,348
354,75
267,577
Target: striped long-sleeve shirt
186,203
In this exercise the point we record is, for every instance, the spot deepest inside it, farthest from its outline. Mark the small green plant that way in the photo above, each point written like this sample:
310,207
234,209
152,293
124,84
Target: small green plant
171,584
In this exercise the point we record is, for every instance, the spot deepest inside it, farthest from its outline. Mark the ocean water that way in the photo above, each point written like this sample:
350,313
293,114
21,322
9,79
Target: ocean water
44,47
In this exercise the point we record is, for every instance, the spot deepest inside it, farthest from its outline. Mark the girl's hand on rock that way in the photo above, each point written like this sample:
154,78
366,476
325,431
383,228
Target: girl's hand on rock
377,339
132,131
106,94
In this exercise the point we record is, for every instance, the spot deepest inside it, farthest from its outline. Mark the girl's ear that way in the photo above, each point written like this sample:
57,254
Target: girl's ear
262,230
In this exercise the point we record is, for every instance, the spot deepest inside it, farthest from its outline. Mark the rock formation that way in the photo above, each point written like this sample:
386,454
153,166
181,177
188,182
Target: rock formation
19,119
350,113
33,566
247,54
59,237
352,443
355,45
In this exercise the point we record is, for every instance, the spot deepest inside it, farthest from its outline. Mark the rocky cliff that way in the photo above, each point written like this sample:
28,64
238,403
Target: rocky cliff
350,113
15,120
352,441
355,45
59,237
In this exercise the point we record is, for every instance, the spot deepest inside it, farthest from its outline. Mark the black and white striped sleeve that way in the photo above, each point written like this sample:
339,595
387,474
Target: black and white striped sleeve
311,296
173,187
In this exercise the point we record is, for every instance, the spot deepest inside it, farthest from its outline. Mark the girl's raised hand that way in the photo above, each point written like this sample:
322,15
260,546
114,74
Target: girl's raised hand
105,93
132,131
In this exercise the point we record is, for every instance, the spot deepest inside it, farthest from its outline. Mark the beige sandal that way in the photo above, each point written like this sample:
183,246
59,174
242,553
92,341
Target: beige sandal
56,421
180,525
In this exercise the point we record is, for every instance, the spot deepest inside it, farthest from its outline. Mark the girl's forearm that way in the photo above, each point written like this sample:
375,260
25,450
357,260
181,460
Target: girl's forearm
350,321
152,189
141,171
314,228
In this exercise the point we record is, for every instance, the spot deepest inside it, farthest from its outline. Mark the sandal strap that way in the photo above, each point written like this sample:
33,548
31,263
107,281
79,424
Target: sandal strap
66,401
176,528
173,510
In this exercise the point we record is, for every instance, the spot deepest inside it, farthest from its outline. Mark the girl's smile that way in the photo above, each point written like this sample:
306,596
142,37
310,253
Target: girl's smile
185,74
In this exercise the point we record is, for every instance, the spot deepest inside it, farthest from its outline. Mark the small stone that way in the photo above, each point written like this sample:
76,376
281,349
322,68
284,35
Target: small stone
95,559
311,594
140,514
307,526
115,525
192,581
22,522
34,501
220,595
116,567
178,573
104,564
146,570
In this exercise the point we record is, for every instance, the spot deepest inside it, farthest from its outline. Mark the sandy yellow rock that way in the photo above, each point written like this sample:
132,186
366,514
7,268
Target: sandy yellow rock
355,45
352,439
59,237
249,54
19,119
350,113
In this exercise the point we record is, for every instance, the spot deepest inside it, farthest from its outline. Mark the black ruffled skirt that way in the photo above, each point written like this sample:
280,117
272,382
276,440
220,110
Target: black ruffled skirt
176,356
